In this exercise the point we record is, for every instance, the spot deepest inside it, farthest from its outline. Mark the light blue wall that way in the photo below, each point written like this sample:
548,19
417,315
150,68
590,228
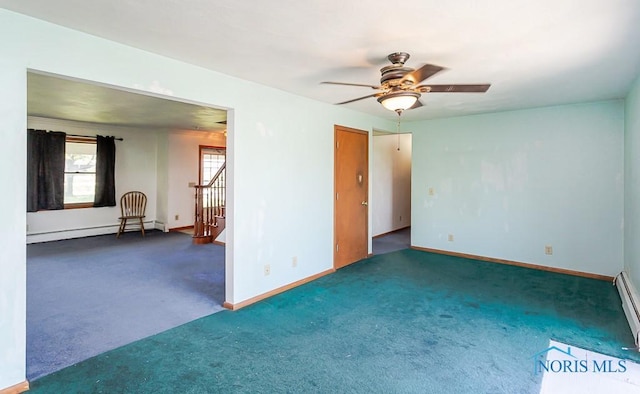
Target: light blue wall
507,184
632,184
280,163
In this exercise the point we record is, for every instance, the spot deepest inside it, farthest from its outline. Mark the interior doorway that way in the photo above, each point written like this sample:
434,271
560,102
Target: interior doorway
391,191
210,209
113,276
351,206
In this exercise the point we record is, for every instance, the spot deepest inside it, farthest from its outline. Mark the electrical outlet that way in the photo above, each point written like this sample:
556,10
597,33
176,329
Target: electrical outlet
267,269
450,237
548,249
294,261
177,217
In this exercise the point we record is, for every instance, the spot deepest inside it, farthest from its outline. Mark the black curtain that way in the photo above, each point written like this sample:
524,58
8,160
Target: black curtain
45,170
105,172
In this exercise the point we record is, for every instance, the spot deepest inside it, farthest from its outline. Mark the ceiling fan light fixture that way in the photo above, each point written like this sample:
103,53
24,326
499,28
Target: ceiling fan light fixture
399,101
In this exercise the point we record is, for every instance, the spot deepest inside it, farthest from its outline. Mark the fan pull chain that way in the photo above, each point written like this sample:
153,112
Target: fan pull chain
399,112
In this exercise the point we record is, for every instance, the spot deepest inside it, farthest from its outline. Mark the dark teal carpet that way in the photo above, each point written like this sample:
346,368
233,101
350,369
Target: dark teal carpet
403,322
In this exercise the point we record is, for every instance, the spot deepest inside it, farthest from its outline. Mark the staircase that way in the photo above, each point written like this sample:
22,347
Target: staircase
210,212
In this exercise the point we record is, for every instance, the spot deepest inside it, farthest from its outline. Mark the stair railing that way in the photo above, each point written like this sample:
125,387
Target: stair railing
210,201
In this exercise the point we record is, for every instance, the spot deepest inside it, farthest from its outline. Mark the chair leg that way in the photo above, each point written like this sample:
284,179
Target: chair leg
123,223
142,227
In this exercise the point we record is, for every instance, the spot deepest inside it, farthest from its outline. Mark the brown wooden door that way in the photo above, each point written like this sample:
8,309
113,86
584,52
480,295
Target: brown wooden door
351,196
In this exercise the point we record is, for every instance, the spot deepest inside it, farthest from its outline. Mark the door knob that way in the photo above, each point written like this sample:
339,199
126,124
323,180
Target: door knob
365,203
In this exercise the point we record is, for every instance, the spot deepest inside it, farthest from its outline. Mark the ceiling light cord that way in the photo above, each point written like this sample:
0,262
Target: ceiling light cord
399,112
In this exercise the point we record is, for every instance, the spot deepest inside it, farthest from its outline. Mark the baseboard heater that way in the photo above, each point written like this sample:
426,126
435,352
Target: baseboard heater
630,304
57,235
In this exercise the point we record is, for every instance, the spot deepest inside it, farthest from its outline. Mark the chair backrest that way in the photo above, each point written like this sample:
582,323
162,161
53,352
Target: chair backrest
133,204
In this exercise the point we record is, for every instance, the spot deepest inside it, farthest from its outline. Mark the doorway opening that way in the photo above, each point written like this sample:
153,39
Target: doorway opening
391,191
211,196
88,292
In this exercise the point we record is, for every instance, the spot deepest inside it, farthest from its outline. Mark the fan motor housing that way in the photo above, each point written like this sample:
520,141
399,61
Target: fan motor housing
393,72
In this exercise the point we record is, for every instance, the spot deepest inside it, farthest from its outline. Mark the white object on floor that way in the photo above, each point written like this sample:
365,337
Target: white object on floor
592,380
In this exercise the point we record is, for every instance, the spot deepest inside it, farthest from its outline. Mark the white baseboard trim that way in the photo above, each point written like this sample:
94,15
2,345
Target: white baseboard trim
58,235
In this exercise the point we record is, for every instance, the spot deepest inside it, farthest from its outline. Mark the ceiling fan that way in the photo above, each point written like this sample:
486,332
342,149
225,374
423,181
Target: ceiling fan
399,87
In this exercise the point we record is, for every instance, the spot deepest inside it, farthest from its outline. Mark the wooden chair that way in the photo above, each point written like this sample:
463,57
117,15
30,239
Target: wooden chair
132,206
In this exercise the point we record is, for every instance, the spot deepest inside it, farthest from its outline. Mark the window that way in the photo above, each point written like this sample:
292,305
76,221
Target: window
211,159
79,172
68,171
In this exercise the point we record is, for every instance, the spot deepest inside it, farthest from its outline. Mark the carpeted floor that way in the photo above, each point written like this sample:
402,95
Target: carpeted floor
401,322
390,242
89,295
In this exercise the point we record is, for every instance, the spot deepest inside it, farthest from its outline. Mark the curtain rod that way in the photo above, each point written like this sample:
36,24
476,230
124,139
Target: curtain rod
93,136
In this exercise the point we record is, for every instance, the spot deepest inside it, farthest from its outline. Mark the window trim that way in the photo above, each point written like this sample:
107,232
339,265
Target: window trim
78,205
80,140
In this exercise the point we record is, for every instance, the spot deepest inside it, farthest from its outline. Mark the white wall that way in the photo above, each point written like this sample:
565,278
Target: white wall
184,151
280,164
135,170
162,180
391,183
13,98
507,184
632,184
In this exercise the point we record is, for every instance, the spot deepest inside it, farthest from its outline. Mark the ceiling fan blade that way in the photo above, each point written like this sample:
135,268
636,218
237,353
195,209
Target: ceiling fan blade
418,104
351,84
424,72
359,98
454,88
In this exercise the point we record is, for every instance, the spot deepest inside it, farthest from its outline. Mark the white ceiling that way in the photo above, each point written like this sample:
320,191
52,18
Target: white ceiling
67,99
534,53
